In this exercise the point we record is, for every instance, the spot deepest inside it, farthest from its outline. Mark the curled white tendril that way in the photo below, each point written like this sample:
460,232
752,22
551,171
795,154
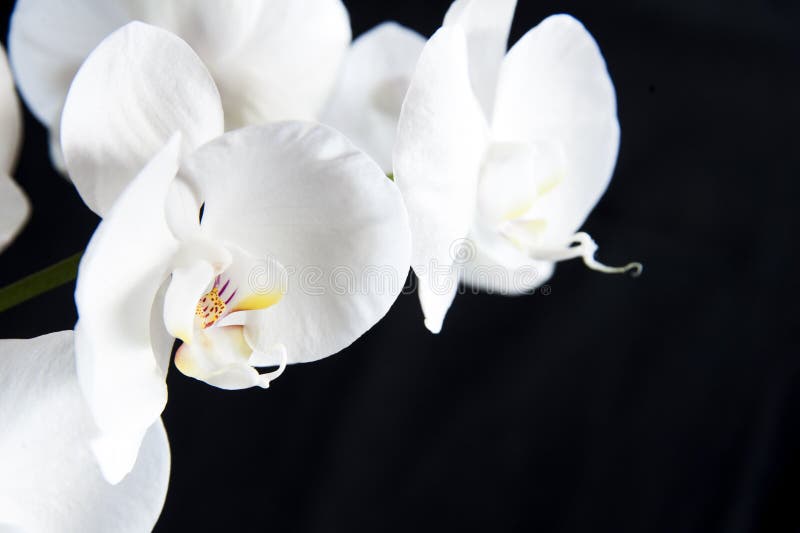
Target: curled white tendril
583,246
269,377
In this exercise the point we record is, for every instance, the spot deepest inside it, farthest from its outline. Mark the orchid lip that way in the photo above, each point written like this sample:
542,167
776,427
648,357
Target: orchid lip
216,350
214,305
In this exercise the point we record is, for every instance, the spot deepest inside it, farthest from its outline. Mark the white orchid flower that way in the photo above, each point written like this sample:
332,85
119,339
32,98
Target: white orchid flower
365,104
49,478
14,207
271,59
501,157
303,245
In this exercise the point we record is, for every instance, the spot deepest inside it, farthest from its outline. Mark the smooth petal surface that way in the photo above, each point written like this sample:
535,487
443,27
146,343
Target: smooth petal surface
490,276
119,279
366,103
303,195
187,286
554,87
183,210
220,357
287,66
14,206
48,41
217,31
14,210
441,139
10,119
162,340
507,187
272,59
137,88
56,152
498,266
49,479
487,24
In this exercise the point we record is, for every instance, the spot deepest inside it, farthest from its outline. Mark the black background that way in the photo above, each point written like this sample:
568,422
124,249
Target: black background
670,403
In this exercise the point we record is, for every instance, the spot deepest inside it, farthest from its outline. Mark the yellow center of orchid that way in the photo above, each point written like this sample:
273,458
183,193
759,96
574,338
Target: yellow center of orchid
210,308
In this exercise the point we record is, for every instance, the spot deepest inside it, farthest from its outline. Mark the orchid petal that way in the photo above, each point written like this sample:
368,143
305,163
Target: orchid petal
221,356
487,24
183,210
554,86
14,206
49,480
507,186
289,64
54,148
10,118
119,278
272,59
48,41
366,103
161,339
302,194
436,293
491,276
441,139
216,31
498,266
14,210
138,87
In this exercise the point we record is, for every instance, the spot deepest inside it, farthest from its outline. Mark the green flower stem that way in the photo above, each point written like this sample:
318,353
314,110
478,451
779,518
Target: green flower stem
40,282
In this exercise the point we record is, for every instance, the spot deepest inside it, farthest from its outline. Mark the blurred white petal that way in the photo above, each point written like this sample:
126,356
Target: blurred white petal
366,103
14,206
486,24
271,59
49,479
48,41
554,87
10,118
14,210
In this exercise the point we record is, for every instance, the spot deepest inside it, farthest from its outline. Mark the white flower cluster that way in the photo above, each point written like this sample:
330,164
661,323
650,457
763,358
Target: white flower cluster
228,142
